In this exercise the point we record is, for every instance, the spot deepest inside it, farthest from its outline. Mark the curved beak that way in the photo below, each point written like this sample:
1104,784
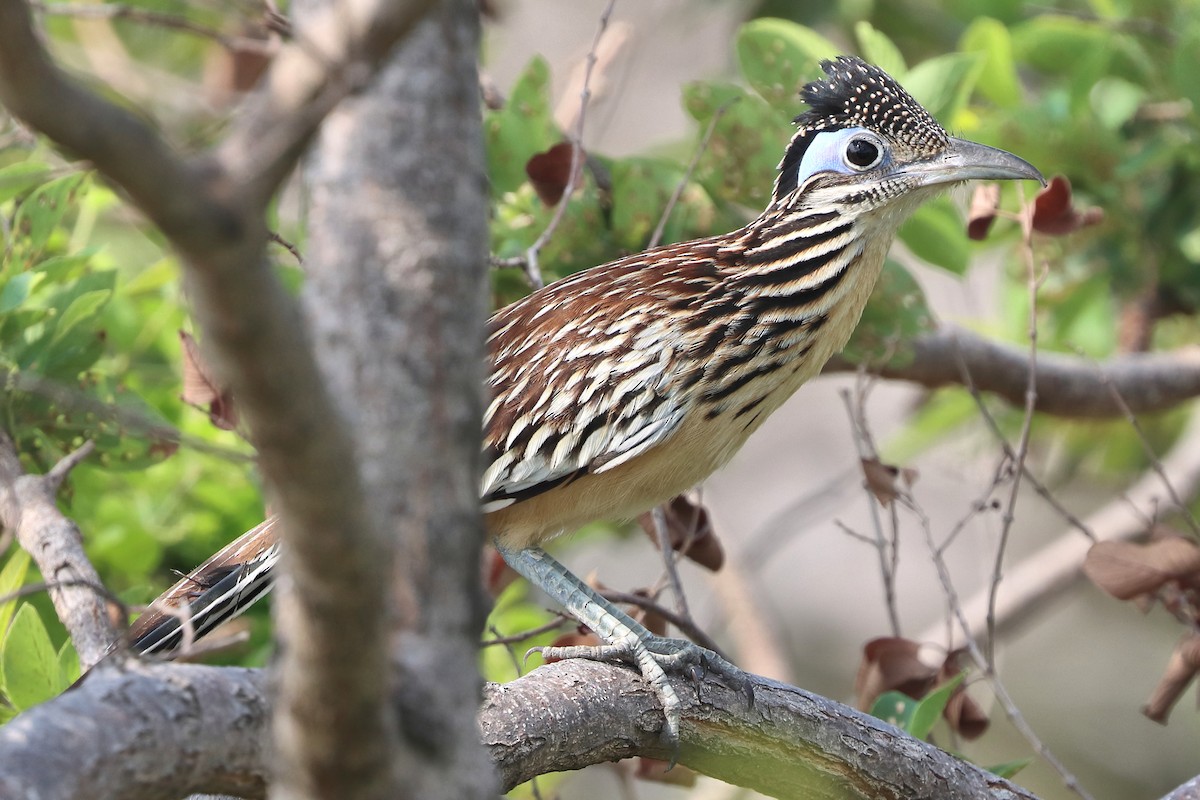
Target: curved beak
964,161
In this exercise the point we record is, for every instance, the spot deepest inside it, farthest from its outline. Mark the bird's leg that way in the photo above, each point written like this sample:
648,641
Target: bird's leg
626,639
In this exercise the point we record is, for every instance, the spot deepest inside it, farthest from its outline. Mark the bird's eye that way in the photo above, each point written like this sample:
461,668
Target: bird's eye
863,153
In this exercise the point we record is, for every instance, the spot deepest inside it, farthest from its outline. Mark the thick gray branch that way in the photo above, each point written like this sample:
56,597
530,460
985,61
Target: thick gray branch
120,733
135,731
27,508
1068,386
787,743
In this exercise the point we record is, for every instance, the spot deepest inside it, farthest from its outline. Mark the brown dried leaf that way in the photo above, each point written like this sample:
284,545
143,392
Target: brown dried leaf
891,663
690,530
984,204
962,713
883,480
550,171
1128,569
1054,212
651,769
200,388
1181,669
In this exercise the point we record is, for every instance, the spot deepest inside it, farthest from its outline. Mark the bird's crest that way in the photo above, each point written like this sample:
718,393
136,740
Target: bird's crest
857,94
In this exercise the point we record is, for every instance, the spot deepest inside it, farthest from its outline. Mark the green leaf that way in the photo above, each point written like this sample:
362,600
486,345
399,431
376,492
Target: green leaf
881,51
12,578
30,665
1084,51
943,84
81,308
1010,768
998,80
16,291
937,234
68,665
929,709
1114,101
42,212
523,127
895,708
778,56
18,178
739,164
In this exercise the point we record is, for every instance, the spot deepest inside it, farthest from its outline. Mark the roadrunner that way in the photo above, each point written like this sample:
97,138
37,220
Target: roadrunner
616,388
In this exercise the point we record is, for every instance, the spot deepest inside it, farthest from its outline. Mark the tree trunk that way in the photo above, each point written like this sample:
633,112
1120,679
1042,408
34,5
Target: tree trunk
396,293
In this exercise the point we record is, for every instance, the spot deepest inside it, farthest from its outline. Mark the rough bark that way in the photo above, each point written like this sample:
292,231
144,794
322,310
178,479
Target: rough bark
397,261
197,727
785,742
29,510
134,731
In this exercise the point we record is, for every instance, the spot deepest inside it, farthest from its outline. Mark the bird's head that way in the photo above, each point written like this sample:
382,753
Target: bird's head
866,144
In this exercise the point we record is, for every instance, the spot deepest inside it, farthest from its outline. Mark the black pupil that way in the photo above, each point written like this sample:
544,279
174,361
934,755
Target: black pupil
862,152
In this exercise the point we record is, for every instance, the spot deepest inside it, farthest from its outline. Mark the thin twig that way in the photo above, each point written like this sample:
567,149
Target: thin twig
1009,515
517,638
670,560
532,271
866,451
1155,464
983,664
687,173
968,383
687,626
59,472
286,245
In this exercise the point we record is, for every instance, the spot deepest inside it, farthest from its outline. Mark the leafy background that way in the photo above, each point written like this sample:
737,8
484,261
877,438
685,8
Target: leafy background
1103,92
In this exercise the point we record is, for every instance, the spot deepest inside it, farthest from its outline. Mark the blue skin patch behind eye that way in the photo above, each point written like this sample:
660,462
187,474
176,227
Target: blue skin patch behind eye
826,153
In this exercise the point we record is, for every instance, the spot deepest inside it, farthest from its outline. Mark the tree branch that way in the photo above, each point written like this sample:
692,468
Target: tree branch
27,507
787,743
1067,386
142,732
563,716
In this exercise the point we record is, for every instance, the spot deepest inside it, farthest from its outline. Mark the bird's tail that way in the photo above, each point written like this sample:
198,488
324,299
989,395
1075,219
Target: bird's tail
218,590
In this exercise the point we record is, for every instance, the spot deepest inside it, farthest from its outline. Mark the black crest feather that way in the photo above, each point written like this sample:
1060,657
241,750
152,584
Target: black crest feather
854,94
858,94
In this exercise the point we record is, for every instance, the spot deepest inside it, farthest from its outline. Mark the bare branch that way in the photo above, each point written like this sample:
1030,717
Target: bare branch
1031,394
27,507
336,50
1049,572
656,237
1068,386
984,662
786,743
531,255
120,732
